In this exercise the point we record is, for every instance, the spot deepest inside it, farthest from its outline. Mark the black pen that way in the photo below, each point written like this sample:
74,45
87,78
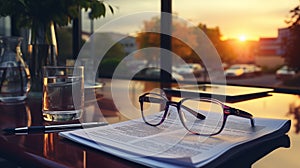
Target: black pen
53,128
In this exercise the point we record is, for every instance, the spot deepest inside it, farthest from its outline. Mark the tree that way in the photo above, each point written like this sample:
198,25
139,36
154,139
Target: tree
224,48
26,12
112,57
291,46
111,60
213,34
150,37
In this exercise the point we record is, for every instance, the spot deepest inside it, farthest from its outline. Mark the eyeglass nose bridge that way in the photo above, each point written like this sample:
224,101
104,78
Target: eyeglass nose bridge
171,103
174,104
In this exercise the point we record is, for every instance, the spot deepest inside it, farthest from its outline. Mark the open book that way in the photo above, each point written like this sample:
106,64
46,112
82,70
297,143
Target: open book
172,145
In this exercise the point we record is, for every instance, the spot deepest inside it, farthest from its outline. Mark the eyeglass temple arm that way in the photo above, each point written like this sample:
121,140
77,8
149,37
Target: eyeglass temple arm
240,113
194,113
157,100
147,99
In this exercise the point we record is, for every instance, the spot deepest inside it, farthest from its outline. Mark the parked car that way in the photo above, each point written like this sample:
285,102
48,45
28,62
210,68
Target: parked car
236,70
285,72
154,73
190,69
246,70
253,70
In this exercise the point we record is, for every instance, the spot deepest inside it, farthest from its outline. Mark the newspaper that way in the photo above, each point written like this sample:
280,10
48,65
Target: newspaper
170,144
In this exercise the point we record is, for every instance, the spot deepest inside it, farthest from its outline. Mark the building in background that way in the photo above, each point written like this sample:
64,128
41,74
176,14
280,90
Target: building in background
283,35
270,50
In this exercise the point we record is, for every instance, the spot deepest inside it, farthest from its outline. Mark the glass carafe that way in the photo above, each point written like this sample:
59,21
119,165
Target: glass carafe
14,73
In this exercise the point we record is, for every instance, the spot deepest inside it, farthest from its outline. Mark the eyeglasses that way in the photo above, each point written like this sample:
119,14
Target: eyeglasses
200,116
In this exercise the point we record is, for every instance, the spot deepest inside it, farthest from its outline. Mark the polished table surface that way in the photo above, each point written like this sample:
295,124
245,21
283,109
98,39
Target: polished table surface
107,104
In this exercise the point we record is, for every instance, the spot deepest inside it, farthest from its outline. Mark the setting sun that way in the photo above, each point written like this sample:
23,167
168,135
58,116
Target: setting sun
242,38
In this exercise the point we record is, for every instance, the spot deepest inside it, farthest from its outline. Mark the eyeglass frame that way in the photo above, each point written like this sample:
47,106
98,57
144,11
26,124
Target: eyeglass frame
227,111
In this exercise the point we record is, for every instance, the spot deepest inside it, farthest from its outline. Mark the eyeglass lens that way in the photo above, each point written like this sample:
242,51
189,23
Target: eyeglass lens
153,107
213,112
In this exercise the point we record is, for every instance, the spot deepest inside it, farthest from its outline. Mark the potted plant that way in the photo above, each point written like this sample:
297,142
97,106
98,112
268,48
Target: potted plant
41,17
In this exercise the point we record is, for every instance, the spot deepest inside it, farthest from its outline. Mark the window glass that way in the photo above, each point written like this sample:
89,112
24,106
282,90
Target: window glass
252,39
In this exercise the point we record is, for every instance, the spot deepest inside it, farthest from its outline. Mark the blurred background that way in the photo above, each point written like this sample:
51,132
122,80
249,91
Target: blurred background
256,40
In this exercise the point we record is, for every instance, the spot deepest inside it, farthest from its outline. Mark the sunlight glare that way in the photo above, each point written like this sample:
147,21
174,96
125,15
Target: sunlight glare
242,38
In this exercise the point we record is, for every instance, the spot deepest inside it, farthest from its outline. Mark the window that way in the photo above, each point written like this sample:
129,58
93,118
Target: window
250,39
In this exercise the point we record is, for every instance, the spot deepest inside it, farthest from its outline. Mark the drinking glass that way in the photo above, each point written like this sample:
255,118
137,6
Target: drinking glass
63,93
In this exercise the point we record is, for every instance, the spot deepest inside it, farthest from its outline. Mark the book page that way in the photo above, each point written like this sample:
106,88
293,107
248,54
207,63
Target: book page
171,143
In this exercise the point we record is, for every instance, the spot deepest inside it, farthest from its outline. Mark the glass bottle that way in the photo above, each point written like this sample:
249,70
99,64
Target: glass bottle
14,73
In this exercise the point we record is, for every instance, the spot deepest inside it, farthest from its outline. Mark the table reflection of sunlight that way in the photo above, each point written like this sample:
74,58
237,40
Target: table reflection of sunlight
277,106
269,107
295,112
48,148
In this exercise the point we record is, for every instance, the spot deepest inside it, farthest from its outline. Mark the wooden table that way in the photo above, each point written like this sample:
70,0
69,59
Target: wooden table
50,150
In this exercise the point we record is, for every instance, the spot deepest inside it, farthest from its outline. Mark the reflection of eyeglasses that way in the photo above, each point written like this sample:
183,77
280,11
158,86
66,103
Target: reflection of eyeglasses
201,116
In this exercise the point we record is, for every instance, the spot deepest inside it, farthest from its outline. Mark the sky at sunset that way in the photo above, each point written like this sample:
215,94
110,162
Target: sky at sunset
247,19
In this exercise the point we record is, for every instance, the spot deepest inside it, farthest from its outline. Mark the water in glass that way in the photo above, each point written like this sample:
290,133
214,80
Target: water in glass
59,102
